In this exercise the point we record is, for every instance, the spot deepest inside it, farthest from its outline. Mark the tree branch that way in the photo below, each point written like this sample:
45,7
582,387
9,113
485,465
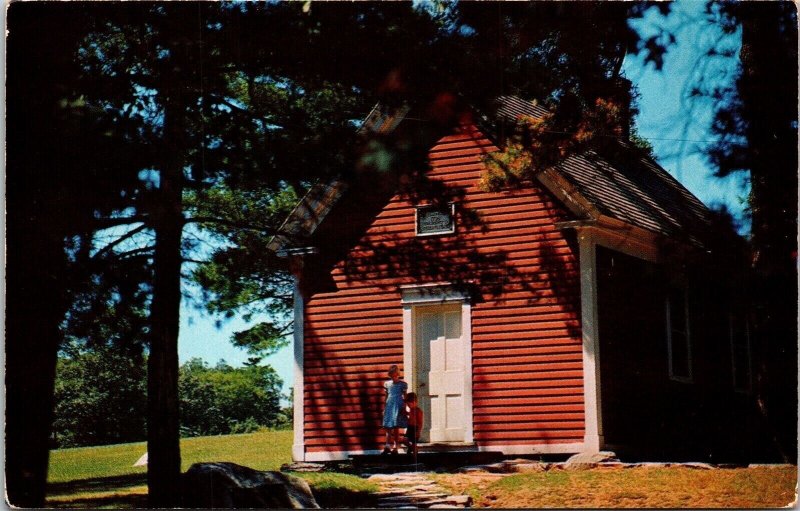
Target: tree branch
230,223
147,252
196,261
128,235
106,222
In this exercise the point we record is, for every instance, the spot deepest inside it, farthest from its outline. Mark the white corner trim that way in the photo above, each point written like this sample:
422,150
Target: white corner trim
298,416
570,448
466,334
408,347
587,255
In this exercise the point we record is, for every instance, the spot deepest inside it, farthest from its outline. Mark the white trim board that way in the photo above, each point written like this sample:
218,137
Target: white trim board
511,449
430,294
336,455
298,416
427,295
569,448
587,255
687,332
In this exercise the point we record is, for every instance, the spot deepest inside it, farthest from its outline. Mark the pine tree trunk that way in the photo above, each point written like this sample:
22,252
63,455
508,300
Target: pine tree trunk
34,312
163,437
768,90
36,263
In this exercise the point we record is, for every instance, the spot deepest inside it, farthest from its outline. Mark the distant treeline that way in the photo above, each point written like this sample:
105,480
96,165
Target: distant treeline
101,398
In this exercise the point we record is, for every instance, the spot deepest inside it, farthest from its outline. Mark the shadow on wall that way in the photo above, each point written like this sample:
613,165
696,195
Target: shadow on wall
344,404
536,263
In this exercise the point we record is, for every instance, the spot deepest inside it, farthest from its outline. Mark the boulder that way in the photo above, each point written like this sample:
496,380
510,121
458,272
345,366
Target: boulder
228,485
587,460
699,465
301,466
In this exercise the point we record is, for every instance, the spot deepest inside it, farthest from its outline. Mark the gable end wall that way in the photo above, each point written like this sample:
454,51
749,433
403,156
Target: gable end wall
526,337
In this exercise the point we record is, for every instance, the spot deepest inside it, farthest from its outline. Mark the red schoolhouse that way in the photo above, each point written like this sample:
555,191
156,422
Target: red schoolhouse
570,314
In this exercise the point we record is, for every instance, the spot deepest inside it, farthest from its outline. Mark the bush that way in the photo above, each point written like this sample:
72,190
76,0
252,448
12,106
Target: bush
224,400
100,398
249,425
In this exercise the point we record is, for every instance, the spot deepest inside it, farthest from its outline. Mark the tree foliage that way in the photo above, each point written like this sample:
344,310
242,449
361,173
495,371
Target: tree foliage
222,400
68,168
100,399
101,396
757,124
754,128
151,117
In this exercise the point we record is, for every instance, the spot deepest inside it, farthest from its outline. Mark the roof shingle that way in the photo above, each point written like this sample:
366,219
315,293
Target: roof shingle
637,190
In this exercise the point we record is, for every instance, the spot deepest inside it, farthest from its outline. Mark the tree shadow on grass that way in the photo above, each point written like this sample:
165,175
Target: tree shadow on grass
134,501
329,498
96,484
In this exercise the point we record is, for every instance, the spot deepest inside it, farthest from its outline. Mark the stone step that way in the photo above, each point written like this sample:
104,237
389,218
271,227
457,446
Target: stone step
413,498
414,491
409,485
464,500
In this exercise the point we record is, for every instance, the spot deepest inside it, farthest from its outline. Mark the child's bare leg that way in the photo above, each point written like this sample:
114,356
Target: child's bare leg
396,438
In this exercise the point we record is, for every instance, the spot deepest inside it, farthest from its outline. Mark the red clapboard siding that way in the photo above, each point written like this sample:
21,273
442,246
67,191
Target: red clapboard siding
527,358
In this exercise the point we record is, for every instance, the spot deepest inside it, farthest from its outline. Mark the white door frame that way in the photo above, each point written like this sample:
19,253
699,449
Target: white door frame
422,295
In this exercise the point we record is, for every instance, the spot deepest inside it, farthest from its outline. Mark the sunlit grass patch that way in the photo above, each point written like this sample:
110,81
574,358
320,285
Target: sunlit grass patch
104,477
674,487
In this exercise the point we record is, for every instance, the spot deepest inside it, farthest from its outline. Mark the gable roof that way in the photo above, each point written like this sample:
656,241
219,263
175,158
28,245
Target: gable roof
637,192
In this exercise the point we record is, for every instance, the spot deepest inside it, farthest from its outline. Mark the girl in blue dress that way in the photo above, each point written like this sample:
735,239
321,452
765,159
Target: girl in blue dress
394,414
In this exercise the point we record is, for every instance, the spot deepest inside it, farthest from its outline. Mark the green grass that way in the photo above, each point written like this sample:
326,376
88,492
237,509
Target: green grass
105,476
265,450
674,487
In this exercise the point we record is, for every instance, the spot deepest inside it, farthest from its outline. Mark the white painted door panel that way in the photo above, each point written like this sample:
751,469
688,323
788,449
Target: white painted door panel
441,347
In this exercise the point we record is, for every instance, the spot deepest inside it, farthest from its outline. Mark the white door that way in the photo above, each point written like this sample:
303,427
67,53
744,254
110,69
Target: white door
440,372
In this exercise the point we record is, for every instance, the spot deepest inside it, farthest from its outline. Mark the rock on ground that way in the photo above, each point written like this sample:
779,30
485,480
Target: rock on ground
414,491
228,485
303,466
587,460
507,467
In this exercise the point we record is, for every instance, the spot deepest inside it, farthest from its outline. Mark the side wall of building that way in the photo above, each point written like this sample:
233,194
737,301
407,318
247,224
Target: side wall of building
648,414
527,385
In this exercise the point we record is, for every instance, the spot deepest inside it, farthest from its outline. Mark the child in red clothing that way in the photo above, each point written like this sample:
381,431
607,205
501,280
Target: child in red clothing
416,420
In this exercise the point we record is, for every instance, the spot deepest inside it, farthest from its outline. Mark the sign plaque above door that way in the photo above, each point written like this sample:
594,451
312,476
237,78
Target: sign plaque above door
436,220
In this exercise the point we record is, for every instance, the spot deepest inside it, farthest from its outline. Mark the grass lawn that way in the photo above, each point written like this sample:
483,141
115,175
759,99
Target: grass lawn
97,477
104,477
674,487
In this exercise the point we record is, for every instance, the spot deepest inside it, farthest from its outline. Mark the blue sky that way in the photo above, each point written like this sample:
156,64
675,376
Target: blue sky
675,125
676,128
